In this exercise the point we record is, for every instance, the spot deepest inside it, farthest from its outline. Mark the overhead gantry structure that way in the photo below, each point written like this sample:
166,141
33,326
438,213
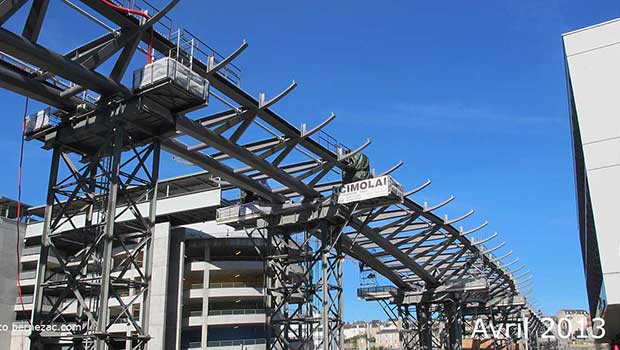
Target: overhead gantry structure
106,139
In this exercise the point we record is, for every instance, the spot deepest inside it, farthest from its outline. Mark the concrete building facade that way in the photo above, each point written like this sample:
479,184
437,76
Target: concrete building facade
593,77
8,266
207,289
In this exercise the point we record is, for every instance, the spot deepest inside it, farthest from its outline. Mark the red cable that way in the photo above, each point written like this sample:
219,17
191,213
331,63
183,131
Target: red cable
19,210
145,15
149,57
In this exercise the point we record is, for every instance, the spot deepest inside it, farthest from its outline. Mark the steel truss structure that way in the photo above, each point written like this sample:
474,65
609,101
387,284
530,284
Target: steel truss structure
304,272
81,234
99,208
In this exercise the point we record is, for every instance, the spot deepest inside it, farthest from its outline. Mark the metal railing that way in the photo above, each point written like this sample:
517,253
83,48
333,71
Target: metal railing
236,342
239,258
26,275
362,292
236,312
246,211
193,345
236,285
189,48
331,143
31,250
26,298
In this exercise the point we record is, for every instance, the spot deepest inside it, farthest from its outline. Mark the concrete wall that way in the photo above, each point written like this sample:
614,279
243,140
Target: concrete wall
8,276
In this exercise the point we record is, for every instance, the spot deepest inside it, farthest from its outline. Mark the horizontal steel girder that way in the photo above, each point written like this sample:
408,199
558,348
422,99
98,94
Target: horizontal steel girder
14,80
48,60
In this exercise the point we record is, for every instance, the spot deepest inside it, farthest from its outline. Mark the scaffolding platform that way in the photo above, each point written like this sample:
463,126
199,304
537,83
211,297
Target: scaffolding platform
292,216
162,88
172,84
88,130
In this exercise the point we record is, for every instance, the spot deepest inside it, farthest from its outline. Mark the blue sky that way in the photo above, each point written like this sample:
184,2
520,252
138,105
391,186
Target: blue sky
469,94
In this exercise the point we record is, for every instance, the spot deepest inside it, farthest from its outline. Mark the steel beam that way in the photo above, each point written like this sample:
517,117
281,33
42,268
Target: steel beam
14,80
386,245
108,241
207,136
48,60
222,170
35,20
8,8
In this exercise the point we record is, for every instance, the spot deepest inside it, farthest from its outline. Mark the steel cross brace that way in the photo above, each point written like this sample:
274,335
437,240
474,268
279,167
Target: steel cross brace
98,260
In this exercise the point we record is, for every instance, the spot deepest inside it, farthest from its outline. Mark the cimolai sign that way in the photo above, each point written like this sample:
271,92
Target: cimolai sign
373,188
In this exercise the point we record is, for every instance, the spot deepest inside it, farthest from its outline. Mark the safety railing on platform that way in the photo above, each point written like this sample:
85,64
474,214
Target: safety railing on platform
330,142
189,48
233,213
363,292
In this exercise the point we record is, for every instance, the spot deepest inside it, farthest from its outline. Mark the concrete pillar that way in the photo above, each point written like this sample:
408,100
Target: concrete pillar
205,299
8,275
179,309
176,272
159,284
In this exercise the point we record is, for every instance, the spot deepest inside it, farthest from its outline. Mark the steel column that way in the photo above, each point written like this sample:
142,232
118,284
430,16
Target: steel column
425,322
454,318
35,339
81,230
407,328
148,254
108,242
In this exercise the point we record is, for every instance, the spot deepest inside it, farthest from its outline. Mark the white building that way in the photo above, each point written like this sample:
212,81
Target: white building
593,76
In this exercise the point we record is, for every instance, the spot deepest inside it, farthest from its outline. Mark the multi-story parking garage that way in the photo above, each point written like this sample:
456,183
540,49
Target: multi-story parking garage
208,279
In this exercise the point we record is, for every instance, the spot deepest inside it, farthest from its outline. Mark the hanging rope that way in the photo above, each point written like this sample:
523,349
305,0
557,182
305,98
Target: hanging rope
19,210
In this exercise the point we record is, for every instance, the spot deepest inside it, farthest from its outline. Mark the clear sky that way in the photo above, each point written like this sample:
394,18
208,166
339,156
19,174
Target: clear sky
470,94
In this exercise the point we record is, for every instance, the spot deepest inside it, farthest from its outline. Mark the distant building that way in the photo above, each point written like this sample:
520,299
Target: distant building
577,322
371,335
387,338
593,75
357,342
570,329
